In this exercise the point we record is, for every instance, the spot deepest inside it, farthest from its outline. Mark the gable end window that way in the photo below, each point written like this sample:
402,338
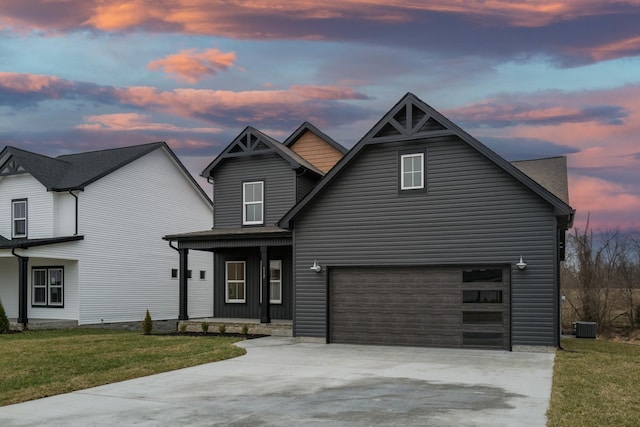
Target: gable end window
19,218
235,288
47,286
253,203
412,171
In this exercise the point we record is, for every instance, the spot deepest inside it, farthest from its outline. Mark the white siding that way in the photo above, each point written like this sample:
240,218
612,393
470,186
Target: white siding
9,283
125,266
70,309
64,207
39,205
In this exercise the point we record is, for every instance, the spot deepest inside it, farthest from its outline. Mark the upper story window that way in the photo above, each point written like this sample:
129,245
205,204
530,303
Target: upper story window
412,171
253,203
19,218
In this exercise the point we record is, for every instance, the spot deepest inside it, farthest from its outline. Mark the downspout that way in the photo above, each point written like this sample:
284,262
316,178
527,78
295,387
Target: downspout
22,288
75,197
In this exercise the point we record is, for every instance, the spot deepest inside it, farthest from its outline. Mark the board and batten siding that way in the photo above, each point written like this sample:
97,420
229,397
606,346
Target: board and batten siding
124,266
473,213
279,186
39,205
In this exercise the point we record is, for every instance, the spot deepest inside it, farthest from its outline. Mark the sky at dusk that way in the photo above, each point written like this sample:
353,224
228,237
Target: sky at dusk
529,79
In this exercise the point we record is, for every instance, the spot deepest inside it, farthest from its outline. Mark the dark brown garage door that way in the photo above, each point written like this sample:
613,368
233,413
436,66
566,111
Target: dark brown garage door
416,306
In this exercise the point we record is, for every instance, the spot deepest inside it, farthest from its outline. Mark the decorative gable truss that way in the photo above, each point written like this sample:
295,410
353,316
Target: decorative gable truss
408,120
11,167
248,142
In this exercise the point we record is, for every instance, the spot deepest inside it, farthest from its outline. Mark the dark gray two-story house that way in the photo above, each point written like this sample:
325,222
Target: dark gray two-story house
419,235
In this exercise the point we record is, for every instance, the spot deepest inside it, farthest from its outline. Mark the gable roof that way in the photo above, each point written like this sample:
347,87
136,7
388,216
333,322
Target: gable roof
550,172
306,126
413,119
76,171
253,142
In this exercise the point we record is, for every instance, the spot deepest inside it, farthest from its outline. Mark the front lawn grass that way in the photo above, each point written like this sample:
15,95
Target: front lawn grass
595,383
37,364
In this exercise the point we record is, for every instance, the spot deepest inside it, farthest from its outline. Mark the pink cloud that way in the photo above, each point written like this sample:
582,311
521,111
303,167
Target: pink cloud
609,205
29,83
134,121
624,47
191,66
203,17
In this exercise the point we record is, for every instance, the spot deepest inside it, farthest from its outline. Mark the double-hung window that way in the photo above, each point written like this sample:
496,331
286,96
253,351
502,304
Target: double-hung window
412,171
253,203
19,218
47,286
235,282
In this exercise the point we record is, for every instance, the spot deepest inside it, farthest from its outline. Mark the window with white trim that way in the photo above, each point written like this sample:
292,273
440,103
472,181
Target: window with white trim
47,286
412,171
19,218
253,203
235,282
275,281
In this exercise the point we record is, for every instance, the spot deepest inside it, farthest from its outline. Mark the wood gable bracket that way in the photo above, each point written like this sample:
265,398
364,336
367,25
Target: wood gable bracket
11,167
408,120
248,143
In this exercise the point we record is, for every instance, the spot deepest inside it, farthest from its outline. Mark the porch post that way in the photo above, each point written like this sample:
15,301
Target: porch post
184,265
22,290
265,308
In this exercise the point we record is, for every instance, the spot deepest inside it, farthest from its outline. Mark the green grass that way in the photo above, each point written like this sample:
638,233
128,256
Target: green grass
37,364
596,383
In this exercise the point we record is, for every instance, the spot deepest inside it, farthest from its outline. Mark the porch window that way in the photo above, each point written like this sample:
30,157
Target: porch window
235,282
47,286
253,203
275,281
19,218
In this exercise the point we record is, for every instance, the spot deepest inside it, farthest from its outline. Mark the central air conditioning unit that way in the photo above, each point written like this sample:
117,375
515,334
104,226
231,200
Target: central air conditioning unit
586,329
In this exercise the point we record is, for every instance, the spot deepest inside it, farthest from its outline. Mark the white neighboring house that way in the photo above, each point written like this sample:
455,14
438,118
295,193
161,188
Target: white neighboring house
81,235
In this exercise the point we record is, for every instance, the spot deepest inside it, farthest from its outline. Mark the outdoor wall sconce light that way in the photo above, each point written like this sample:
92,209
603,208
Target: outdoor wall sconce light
316,267
521,264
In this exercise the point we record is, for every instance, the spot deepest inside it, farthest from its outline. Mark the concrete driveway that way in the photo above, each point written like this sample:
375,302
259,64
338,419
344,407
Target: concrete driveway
280,382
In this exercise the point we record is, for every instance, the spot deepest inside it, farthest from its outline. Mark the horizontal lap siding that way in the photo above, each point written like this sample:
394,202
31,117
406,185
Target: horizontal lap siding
471,213
279,182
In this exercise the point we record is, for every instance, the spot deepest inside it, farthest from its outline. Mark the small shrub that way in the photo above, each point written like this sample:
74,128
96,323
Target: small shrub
147,324
222,328
205,327
245,329
182,327
4,322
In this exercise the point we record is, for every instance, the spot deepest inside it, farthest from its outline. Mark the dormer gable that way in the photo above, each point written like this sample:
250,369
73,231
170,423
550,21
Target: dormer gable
315,146
252,142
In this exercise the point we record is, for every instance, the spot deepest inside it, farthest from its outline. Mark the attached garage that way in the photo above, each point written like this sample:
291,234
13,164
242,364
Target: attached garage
460,307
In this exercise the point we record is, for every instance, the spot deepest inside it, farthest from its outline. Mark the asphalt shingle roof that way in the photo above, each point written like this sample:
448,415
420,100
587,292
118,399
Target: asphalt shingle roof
75,171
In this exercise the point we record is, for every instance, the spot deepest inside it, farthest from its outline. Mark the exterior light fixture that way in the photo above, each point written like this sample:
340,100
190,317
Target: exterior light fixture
316,267
521,264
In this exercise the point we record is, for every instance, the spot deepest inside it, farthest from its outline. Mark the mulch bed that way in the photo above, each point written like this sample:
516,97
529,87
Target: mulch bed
210,334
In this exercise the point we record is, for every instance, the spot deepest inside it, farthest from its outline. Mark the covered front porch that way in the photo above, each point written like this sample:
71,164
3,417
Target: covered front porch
253,274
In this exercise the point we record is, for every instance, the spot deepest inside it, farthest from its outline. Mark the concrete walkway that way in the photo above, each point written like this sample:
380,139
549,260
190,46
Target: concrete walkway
280,382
